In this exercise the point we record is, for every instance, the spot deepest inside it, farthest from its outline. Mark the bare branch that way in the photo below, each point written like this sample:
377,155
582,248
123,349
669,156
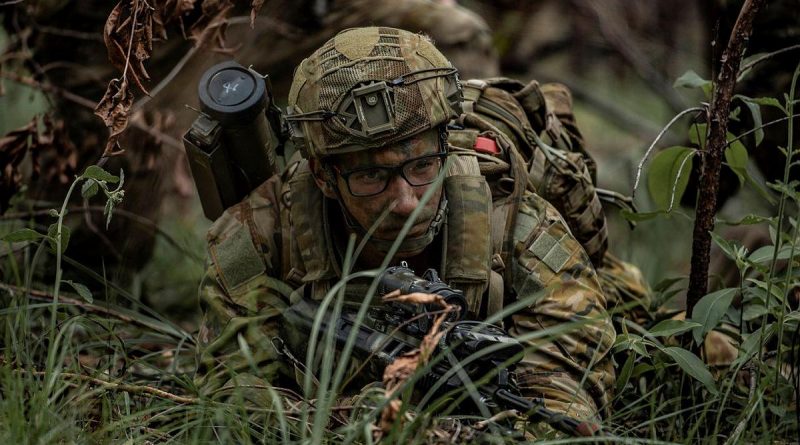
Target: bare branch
712,155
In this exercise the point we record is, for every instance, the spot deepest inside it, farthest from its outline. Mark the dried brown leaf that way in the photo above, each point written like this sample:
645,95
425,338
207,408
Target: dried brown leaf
53,156
128,35
13,148
114,109
400,370
414,298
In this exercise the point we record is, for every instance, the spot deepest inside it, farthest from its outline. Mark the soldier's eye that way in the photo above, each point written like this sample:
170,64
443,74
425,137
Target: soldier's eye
369,176
423,165
422,171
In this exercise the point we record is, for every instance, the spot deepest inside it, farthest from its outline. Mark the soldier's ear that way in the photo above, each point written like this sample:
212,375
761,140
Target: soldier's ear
322,178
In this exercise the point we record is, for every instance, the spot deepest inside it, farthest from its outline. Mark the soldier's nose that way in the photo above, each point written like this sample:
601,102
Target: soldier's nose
405,196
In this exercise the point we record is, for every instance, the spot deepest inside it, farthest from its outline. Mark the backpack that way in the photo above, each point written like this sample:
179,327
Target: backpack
526,139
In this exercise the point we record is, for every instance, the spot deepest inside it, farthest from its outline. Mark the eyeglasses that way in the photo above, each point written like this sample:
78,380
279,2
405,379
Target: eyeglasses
370,181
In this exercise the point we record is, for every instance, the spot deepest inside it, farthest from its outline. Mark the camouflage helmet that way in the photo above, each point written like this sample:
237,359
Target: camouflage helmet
368,87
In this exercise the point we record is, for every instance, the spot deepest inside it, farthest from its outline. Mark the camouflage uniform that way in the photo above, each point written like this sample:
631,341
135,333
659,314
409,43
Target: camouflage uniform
278,239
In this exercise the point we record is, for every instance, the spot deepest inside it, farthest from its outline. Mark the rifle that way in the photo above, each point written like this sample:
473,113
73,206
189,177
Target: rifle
462,340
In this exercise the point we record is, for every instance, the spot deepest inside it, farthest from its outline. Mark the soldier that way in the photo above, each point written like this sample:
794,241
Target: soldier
369,111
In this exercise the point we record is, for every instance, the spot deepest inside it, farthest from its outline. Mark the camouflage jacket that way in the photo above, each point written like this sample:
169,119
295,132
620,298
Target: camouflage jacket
276,240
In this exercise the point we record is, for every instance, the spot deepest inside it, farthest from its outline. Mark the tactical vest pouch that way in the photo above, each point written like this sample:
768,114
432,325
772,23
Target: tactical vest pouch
468,241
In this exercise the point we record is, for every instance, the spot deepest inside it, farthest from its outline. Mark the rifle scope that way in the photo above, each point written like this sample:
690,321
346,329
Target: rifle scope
403,278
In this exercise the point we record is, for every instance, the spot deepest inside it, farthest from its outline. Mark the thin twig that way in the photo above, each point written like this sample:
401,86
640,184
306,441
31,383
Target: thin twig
745,68
655,141
166,81
11,2
677,179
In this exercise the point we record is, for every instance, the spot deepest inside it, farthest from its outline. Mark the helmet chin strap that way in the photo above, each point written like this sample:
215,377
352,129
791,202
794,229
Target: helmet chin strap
408,245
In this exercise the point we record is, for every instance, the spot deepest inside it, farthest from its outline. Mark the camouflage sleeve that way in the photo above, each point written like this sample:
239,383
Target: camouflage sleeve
562,318
240,299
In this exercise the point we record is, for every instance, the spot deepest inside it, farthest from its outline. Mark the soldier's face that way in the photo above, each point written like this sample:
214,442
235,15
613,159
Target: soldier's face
399,195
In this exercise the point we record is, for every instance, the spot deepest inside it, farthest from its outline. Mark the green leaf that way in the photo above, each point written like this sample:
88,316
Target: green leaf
763,255
690,79
82,290
769,102
746,220
639,216
668,176
753,311
53,213
698,134
625,373
641,368
709,311
672,327
22,235
728,247
96,172
52,236
751,344
759,292
736,158
755,112
89,188
692,366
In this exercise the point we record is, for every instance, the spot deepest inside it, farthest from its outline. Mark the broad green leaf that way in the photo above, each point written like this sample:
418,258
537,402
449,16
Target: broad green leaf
698,134
82,290
764,254
755,112
736,158
709,311
759,292
89,188
22,235
692,366
625,373
769,102
690,79
668,176
671,327
96,172
52,234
